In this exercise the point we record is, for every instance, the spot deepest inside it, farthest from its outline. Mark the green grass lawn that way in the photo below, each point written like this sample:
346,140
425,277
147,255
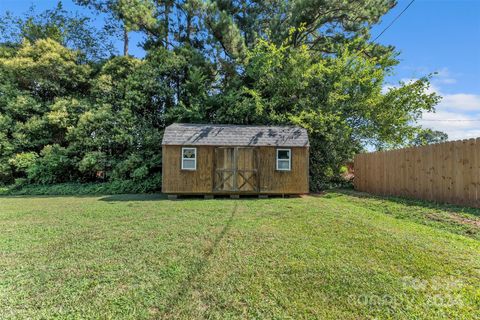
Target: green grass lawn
341,255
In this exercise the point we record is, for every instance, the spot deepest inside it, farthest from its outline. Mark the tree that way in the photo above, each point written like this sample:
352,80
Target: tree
73,31
310,63
38,87
132,14
46,70
429,136
339,100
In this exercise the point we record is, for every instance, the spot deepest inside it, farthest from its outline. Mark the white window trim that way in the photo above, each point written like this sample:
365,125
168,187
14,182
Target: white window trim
289,159
194,159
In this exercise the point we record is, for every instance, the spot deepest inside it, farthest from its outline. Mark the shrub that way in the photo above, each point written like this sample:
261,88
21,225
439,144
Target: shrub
53,166
149,185
92,162
23,161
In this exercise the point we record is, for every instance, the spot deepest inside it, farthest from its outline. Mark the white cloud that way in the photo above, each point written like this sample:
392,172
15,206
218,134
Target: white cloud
447,81
456,125
387,87
457,114
460,101
444,76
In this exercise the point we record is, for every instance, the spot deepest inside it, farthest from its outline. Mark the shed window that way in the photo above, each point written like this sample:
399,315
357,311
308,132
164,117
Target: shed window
284,159
189,158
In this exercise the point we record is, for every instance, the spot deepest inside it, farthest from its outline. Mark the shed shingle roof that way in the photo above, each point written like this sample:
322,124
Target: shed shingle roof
234,135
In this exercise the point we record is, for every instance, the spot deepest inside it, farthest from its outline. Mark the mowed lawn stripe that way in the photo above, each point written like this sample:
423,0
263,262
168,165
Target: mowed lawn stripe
139,256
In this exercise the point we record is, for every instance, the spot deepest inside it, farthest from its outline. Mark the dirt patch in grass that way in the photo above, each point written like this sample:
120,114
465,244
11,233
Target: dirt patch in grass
453,217
462,220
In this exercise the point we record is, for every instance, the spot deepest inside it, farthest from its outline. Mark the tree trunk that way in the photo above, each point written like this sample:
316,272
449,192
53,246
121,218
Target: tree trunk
167,22
125,41
189,28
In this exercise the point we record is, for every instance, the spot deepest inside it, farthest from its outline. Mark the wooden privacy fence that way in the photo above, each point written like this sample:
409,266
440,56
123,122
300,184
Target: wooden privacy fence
444,172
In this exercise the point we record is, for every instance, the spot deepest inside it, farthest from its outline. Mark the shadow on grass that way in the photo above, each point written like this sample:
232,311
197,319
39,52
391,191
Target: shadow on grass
162,196
134,197
198,267
141,197
413,202
48,196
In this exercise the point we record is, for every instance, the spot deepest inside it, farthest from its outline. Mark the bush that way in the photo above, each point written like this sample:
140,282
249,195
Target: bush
53,166
149,185
23,161
92,163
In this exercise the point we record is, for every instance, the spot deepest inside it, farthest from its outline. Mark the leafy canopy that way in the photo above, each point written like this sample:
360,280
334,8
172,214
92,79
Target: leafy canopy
66,114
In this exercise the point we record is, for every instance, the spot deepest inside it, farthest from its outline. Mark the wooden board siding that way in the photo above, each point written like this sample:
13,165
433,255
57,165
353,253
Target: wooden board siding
176,180
273,181
446,172
201,181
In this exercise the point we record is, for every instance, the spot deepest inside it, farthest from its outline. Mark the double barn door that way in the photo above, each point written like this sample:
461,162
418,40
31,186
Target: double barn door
236,170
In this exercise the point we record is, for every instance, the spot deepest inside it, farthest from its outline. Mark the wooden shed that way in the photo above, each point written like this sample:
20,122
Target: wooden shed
211,159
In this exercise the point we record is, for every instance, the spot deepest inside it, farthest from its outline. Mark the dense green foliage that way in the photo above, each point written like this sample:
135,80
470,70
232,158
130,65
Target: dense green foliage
69,114
429,136
75,188
334,256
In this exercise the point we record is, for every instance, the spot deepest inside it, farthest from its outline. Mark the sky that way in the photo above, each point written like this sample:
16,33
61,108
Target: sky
440,36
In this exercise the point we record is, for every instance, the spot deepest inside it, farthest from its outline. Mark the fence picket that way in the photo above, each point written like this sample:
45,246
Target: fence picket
444,172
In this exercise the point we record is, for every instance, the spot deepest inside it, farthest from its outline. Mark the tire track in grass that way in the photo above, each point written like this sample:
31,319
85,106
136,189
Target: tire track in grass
197,270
